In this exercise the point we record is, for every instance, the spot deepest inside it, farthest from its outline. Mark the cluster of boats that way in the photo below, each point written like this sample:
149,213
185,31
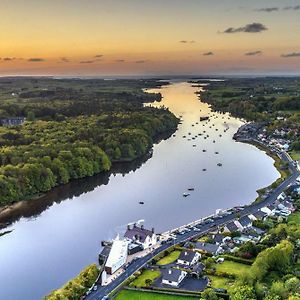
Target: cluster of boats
186,194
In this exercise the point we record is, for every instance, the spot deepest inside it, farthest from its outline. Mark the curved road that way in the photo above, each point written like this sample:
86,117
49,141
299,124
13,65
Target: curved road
202,229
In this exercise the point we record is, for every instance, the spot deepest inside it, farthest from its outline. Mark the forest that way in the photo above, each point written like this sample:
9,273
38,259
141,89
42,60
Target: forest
73,129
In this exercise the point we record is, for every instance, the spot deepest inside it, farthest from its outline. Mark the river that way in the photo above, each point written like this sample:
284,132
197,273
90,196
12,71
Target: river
54,240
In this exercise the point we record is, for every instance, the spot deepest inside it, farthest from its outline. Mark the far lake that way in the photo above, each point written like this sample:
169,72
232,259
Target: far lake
52,244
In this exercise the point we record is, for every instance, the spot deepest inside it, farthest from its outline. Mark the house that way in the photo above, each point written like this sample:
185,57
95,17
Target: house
244,222
285,205
252,217
231,227
268,209
282,196
260,215
188,258
217,238
117,256
198,269
12,121
173,277
208,248
140,235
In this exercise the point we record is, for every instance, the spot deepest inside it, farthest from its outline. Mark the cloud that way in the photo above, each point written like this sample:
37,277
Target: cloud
208,53
64,59
267,9
249,28
140,61
35,59
297,7
187,42
120,60
98,55
253,53
8,58
292,54
272,9
87,62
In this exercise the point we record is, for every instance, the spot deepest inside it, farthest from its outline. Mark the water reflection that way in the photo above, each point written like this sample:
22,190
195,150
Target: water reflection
61,237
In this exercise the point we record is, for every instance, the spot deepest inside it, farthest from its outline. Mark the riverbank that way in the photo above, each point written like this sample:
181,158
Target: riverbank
278,164
35,205
97,208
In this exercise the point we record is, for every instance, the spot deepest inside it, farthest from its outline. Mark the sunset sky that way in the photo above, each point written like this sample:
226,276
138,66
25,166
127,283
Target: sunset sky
149,37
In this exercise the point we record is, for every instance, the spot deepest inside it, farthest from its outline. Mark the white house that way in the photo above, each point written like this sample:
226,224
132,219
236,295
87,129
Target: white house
231,227
173,277
243,222
188,258
268,209
140,235
117,256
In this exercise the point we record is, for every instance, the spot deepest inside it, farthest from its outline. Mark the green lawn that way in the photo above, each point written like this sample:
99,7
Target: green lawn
169,258
221,282
133,295
232,267
294,217
147,274
295,155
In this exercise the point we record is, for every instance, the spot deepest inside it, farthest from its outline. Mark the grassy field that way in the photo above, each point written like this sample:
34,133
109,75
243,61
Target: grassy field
221,282
231,267
133,295
169,258
295,217
295,155
147,274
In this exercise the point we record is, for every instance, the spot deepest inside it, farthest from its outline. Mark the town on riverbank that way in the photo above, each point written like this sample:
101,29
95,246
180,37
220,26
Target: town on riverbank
215,256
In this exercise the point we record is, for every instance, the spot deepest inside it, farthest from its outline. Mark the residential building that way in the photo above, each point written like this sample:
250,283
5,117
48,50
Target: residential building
231,227
12,121
244,222
140,235
173,277
260,215
208,248
188,258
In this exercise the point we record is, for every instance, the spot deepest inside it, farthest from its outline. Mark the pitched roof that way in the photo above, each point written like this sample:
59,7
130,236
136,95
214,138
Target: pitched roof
138,233
245,221
207,247
105,251
187,255
198,268
231,226
271,207
217,238
259,214
172,275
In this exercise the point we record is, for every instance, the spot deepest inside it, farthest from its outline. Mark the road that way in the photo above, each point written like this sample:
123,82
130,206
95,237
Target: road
201,230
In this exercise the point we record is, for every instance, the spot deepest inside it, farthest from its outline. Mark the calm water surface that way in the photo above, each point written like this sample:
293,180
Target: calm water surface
46,250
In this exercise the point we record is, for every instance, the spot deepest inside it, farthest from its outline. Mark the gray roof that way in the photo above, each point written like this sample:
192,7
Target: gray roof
287,204
259,215
207,247
271,207
198,268
172,275
232,227
187,255
245,221
217,238
138,233
105,251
